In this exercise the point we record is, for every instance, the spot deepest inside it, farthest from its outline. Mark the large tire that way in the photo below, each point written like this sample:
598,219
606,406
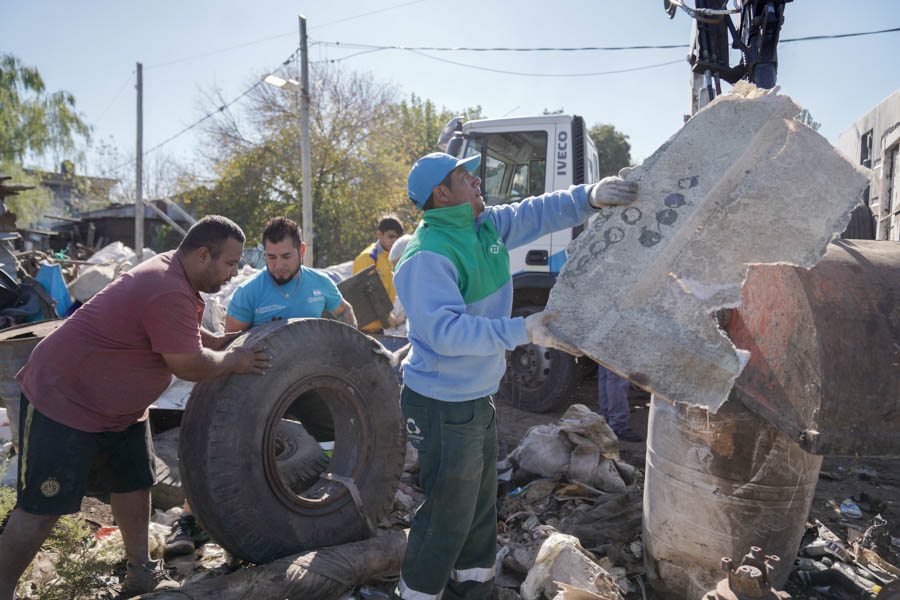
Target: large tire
326,375
538,379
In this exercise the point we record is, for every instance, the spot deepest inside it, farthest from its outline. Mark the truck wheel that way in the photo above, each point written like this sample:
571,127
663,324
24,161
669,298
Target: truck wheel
337,383
300,458
300,461
537,379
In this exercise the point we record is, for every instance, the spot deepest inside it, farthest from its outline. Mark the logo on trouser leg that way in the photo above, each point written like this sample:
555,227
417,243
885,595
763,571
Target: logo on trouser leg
50,487
415,433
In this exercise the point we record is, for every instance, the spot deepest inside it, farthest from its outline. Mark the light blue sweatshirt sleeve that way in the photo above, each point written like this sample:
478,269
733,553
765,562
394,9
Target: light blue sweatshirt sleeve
526,221
427,287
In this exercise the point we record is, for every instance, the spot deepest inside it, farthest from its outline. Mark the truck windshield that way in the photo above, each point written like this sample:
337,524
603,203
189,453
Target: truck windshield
515,165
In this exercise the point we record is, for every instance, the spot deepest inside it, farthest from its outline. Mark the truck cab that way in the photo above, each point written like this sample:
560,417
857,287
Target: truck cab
523,157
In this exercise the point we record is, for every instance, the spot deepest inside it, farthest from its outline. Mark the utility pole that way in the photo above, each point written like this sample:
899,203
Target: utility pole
305,153
139,170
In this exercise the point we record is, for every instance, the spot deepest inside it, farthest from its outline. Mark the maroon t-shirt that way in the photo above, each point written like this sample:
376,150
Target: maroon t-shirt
103,367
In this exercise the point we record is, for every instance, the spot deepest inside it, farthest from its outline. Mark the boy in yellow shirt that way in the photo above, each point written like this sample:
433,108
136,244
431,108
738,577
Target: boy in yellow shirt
389,229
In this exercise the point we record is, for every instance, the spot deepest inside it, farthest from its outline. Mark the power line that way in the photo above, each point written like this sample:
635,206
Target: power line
220,50
837,36
368,48
116,96
336,60
275,37
594,74
205,117
380,10
202,119
359,46
500,49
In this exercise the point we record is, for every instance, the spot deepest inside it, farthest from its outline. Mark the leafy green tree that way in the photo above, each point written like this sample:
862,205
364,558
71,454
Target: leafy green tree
32,120
806,118
420,124
612,147
33,123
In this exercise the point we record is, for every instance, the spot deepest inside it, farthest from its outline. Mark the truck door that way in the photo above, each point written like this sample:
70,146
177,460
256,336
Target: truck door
574,161
514,168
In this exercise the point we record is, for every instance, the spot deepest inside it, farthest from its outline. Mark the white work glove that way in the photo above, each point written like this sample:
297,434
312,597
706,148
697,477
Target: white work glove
613,190
540,335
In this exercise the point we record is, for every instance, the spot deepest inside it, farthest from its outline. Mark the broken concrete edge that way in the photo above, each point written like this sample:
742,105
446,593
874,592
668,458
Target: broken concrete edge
779,128
562,556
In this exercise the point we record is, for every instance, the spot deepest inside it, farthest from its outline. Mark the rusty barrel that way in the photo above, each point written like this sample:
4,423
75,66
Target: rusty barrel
823,378
825,349
16,344
716,484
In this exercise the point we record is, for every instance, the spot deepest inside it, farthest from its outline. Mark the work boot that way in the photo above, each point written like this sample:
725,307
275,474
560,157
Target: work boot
148,577
628,435
185,536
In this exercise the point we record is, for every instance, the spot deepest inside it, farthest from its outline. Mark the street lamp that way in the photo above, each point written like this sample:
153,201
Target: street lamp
302,87
285,84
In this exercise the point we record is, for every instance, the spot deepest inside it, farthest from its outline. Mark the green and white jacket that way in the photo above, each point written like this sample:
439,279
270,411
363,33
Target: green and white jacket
454,283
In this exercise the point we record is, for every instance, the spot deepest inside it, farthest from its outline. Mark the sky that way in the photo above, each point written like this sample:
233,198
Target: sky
188,48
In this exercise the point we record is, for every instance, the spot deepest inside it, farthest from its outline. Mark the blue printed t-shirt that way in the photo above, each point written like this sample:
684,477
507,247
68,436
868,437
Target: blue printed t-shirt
259,300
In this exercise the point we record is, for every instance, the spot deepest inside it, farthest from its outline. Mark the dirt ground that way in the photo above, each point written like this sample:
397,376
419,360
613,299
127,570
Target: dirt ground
873,483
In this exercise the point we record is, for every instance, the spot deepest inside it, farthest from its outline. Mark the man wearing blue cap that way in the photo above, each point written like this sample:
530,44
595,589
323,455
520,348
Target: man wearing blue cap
454,283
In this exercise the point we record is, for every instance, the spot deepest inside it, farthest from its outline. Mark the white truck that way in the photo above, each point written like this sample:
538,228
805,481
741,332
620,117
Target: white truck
522,157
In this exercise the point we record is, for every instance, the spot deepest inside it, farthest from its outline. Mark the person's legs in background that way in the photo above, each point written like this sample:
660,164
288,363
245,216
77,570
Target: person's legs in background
612,401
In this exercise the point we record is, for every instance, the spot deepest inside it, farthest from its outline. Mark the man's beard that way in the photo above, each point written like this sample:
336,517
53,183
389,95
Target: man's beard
282,281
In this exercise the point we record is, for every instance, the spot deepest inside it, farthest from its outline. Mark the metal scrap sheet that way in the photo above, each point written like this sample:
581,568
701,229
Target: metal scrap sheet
741,183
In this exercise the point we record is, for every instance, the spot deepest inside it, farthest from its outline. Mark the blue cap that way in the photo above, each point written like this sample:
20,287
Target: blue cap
430,170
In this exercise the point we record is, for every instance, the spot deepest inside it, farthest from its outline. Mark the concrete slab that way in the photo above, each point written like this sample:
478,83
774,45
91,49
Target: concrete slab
741,183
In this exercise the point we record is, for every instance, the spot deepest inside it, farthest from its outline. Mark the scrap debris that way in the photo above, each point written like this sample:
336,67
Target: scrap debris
559,538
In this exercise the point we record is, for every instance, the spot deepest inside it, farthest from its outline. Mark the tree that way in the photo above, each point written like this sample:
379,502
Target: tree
420,123
363,141
28,205
33,121
806,118
613,149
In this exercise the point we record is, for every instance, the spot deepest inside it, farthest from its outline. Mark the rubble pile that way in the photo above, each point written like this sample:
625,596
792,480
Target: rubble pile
574,515
832,568
569,528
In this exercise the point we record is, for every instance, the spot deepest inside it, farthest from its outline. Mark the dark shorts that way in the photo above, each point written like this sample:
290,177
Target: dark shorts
56,462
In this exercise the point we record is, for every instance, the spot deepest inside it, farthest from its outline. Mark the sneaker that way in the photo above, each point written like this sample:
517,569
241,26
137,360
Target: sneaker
181,540
148,577
627,435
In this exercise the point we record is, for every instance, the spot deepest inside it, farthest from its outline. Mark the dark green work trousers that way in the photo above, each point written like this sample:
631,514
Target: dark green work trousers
453,539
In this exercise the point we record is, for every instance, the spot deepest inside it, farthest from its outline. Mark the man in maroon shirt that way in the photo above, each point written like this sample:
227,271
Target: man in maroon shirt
87,386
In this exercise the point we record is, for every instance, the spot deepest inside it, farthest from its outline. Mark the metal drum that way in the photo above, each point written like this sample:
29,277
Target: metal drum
716,484
823,378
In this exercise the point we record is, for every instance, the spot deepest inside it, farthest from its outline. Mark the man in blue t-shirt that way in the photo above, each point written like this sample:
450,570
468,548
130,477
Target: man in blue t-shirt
285,289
